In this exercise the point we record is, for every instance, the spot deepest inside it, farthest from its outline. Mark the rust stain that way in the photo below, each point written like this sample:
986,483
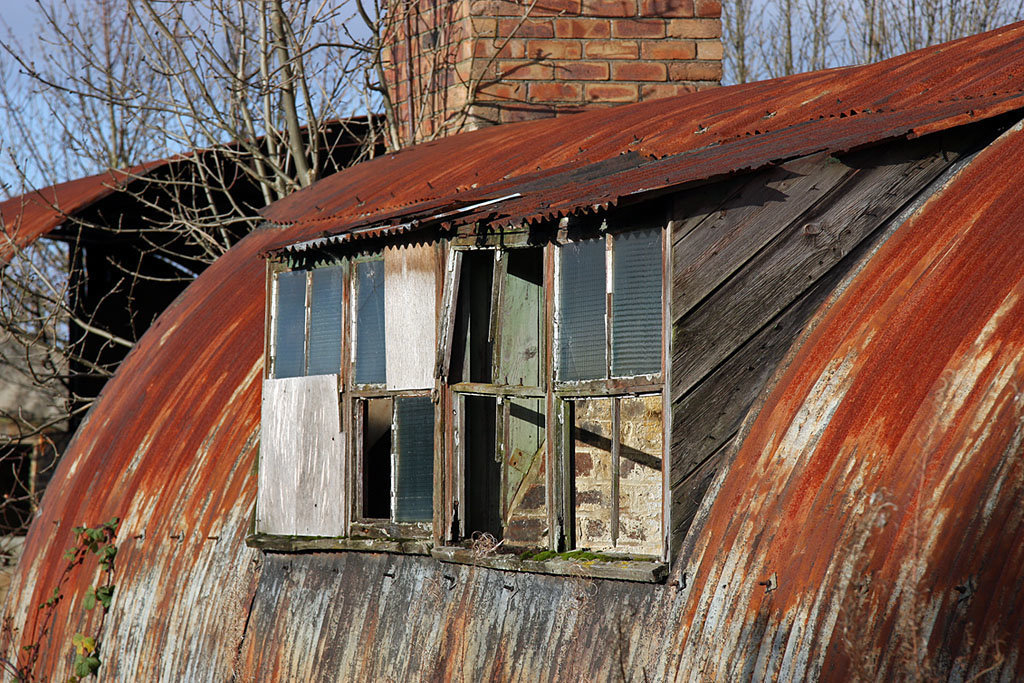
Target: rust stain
26,217
883,479
571,164
903,403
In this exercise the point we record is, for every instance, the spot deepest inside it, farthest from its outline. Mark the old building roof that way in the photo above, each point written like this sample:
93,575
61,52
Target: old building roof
887,454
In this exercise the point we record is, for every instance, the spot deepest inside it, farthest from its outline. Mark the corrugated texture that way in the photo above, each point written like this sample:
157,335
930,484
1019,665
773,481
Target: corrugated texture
882,485
902,407
575,163
24,218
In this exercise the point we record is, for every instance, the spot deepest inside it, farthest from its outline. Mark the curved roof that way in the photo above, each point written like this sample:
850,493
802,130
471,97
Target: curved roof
572,163
832,470
26,217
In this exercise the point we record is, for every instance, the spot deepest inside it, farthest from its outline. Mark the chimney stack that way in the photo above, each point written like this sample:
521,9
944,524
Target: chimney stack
456,65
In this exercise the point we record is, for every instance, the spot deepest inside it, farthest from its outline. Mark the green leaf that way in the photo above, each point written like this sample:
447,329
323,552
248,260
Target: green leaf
82,666
105,594
90,599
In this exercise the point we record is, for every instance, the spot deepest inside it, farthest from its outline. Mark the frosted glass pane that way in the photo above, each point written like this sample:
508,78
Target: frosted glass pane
581,311
636,303
414,428
370,355
290,336
325,322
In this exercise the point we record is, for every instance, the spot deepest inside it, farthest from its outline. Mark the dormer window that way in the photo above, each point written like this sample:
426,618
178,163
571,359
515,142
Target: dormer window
519,404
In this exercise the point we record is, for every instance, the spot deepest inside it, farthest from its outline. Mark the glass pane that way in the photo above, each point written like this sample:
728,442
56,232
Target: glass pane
522,318
636,303
581,314
640,474
592,467
526,517
325,322
290,336
414,436
376,415
370,357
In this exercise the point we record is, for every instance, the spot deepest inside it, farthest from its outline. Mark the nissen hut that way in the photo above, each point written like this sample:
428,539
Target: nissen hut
721,386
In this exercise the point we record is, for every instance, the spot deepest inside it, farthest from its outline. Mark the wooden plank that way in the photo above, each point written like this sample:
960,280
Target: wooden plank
301,478
689,494
722,243
410,316
808,246
709,415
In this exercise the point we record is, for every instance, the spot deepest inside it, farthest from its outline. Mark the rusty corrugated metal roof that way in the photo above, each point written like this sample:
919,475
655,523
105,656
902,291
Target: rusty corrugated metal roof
26,217
579,162
883,480
171,444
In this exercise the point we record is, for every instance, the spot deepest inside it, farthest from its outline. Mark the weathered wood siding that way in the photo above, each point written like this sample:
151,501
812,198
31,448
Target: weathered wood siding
301,473
752,261
410,315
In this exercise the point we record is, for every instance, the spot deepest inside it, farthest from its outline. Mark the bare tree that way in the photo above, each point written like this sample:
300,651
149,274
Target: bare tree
771,38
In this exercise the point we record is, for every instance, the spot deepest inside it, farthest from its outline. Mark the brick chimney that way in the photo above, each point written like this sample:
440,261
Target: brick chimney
455,65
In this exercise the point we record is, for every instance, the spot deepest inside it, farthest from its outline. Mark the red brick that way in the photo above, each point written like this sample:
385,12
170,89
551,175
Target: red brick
518,8
709,49
695,71
555,7
639,28
694,28
668,49
609,8
639,71
582,71
708,8
513,49
502,91
526,112
666,8
654,91
531,28
554,49
611,92
582,28
611,49
525,70
556,92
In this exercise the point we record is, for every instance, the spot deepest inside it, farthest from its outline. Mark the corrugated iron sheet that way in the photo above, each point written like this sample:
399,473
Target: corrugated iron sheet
26,217
876,502
882,485
576,163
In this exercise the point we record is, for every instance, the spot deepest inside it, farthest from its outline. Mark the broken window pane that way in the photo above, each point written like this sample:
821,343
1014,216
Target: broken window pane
581,315
414,440
524,484
370,353
482,500
636,303
640,474
290,336
592,467
376,454
522,318
325,322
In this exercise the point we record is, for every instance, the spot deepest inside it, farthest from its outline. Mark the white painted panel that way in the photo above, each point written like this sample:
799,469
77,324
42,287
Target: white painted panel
301,476
410,316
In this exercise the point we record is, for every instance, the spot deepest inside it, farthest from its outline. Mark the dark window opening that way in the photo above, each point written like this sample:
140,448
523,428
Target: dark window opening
376,450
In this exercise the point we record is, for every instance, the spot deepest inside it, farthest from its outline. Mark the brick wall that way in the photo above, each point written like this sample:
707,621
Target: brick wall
462,64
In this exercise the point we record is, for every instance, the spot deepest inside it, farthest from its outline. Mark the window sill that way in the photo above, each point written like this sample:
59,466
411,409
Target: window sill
645,571
300,544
